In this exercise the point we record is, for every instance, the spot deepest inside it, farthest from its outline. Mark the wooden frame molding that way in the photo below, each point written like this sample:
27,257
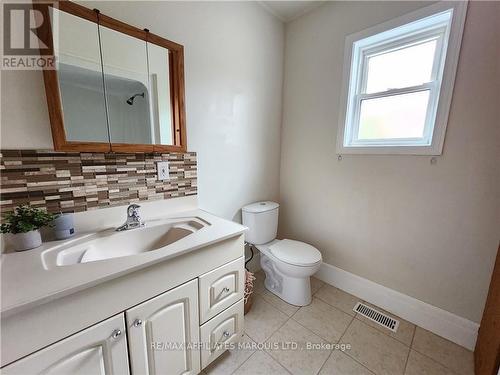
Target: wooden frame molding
487,351
53,94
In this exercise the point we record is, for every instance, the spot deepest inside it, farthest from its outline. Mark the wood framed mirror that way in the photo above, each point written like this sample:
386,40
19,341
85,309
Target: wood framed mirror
115,87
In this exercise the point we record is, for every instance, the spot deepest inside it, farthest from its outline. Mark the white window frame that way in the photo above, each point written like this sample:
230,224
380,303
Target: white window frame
415,27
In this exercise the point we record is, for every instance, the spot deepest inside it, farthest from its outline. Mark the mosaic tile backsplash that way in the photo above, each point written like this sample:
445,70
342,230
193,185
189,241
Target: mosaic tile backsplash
75,182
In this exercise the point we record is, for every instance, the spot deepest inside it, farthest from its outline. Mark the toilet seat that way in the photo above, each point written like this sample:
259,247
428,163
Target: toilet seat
295,253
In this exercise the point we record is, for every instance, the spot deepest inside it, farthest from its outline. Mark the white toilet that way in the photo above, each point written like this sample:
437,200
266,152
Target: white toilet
288,264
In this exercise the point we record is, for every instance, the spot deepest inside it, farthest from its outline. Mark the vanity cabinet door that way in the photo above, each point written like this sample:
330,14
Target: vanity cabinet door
164,333
100,349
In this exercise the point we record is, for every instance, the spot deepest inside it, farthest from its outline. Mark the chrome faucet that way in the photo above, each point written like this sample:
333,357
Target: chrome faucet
133,219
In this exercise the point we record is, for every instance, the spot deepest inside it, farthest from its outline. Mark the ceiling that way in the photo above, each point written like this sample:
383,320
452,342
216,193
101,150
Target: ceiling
289,10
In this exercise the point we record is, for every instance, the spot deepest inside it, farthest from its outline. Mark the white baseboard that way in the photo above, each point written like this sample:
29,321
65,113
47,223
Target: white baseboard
441,322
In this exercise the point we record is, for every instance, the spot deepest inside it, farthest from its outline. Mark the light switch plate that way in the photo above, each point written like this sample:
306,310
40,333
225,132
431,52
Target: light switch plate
162,171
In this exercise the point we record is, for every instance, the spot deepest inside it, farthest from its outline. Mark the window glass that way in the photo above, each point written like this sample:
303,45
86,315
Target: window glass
397,116
403,67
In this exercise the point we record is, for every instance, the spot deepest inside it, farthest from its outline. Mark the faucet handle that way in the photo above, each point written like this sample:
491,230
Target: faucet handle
133,210
133,218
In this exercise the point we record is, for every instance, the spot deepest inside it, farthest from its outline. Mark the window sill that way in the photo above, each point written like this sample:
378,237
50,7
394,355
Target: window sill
389,150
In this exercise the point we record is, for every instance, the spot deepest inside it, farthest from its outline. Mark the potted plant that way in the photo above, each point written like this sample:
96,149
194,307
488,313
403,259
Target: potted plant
23,224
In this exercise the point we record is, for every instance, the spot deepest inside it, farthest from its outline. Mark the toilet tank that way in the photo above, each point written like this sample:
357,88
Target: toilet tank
261,218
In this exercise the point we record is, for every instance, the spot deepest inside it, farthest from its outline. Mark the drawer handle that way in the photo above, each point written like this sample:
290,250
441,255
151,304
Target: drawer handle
226,334
116,333
225,290
137,323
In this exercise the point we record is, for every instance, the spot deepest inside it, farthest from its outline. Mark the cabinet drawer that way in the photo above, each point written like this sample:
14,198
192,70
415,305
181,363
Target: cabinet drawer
217,333
100,349
220,288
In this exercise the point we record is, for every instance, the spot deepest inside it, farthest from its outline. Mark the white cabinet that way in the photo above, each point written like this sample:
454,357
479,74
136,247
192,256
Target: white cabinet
221,288
163,333
100,349
160,335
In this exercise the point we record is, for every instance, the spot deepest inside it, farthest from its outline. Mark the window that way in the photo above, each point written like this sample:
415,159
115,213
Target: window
398,81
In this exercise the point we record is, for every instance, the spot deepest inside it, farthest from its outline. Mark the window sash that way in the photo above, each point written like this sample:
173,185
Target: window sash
426,137
387,47
362,54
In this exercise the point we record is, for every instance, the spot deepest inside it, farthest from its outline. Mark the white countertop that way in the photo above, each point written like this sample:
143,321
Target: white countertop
25,282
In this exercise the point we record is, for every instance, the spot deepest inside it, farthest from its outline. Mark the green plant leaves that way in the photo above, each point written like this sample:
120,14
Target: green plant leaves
25,219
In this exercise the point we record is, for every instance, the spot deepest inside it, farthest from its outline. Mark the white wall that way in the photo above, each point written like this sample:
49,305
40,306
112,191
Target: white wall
428,231
233,71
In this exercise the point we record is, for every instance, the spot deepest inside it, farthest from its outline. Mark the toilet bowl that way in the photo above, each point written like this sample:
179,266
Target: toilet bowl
288,264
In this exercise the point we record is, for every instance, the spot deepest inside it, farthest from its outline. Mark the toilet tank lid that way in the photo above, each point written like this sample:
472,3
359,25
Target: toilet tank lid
263,206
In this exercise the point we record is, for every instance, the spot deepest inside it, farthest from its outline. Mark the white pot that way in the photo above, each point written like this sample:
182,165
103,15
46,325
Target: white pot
26,241
64,226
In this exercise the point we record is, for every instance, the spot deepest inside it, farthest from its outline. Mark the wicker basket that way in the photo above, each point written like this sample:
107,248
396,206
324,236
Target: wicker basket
249,279
248,304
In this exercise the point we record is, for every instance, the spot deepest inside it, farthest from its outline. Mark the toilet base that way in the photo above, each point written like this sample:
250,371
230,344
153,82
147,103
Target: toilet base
293,290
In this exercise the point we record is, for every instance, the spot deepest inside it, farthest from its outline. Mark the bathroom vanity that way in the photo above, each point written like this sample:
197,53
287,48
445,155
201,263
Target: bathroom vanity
164,298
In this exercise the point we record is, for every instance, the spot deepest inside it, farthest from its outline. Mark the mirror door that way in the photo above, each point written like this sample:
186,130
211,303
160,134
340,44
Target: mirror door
161,102
125,66
80,78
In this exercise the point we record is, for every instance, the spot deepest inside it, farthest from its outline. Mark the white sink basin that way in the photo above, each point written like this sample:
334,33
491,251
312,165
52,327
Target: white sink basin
108,244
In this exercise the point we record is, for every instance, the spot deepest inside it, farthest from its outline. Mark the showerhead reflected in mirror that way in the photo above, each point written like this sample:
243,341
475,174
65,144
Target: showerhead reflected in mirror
130,101
128,123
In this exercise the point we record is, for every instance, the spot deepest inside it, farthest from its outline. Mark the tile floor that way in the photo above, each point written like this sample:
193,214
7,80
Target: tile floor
330,319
